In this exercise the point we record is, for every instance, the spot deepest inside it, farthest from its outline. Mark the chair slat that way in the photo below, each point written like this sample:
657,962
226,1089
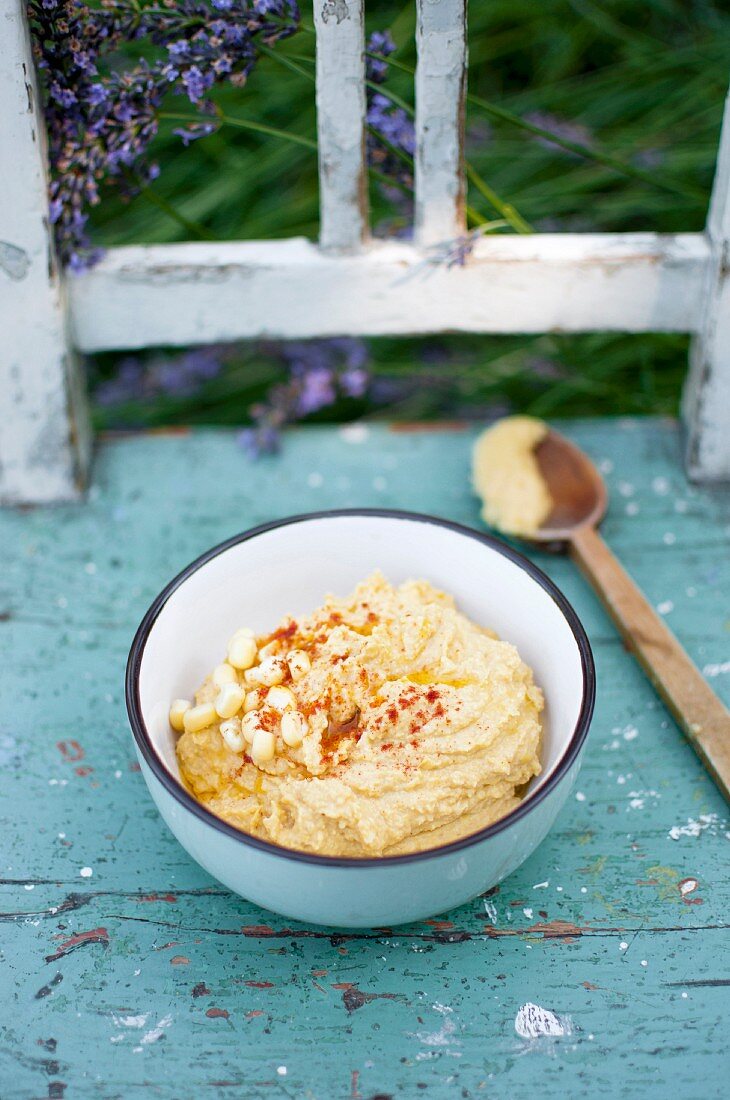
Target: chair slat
205,292
341,110
44,428
440,91
706,403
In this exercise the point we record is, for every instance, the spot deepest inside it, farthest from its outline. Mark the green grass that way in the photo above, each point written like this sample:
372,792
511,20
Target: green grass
645,84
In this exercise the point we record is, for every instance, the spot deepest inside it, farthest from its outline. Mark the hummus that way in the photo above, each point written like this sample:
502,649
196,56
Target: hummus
507,477
394,724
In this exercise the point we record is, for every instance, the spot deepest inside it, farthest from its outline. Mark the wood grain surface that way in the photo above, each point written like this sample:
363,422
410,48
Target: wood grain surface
600,968
698,710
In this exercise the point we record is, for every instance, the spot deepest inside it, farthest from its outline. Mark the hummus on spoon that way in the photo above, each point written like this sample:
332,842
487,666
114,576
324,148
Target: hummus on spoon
506,475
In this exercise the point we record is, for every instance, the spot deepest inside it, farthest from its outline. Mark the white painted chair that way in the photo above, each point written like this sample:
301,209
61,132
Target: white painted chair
199,293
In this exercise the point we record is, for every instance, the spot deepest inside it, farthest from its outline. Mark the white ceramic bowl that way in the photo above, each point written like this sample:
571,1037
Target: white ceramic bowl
287,568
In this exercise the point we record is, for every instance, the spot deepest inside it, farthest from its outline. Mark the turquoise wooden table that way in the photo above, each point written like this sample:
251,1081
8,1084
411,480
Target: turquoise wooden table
601,968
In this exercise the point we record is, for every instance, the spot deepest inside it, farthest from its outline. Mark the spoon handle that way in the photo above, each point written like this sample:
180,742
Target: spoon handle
702,716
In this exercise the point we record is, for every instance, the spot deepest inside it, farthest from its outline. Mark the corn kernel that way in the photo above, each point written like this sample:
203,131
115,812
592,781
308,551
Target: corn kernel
232,735
271,671
263,747
224,674
268,650
280,698
254,699
250,725
228,701
241,651
199,718
299,663
177,713
293,728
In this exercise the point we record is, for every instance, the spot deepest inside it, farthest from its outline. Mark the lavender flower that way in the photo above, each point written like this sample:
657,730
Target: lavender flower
197,83
382,44
194,131
101,124
316,390
261,440
391,139
392,122
354,382
319,371
175,375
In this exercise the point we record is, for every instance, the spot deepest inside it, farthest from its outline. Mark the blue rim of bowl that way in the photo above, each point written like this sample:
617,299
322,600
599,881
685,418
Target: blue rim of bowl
531,800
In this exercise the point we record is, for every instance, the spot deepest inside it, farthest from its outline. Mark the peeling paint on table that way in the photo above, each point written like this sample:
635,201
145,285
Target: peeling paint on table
601,967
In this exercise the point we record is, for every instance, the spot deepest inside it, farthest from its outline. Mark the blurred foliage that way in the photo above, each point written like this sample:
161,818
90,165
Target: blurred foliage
640,85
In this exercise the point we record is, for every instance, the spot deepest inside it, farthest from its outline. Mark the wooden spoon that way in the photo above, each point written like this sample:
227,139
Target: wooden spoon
580,501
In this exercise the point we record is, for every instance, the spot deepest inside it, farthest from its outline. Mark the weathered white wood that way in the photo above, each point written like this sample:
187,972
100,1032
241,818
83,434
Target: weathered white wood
199,293
341,110
440,91
44,437
707,391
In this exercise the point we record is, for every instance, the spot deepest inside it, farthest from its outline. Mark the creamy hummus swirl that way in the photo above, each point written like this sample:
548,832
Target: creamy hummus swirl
421,727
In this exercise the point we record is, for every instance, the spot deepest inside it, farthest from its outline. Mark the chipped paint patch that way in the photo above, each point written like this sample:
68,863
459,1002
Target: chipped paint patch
705,823
443,1038
564,930
639,799
130,1021
534,1022
94,935
70,750
14,261
491,910
716,669
156,1032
